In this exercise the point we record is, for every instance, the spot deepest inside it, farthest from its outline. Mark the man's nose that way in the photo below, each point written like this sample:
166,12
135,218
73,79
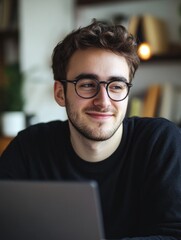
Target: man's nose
102,99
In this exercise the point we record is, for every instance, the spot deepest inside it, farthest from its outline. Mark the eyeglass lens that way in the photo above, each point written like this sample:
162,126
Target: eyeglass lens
88,88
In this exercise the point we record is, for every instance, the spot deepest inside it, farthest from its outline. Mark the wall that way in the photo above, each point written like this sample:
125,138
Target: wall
42,25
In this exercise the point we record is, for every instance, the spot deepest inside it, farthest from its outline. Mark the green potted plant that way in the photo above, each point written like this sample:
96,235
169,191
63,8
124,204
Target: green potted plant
11,107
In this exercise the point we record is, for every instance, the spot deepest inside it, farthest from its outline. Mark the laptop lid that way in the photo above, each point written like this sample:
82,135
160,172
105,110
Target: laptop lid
50,211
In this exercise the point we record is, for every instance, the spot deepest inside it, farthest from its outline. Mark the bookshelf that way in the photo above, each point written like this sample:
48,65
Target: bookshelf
8,42
9,49
158,100
8,22
9,35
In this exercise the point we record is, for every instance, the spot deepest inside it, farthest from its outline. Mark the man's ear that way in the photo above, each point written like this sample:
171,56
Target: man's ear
59,93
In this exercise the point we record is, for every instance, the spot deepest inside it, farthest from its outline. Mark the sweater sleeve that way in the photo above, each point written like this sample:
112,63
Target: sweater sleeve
12,161
33,153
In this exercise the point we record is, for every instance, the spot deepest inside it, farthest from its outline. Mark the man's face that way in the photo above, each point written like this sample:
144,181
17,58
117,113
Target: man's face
100,117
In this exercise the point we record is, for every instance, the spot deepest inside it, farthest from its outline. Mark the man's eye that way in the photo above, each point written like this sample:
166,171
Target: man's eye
117,87
88,84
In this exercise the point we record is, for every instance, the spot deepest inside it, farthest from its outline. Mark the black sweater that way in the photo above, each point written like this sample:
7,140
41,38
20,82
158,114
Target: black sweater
140,184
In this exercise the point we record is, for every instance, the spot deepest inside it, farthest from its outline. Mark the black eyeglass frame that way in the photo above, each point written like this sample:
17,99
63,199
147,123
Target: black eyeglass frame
75,81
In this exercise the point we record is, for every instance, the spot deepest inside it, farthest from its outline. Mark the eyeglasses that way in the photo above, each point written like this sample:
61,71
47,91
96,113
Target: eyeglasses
86,88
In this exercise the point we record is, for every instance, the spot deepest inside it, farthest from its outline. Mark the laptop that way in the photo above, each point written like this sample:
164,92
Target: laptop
50,211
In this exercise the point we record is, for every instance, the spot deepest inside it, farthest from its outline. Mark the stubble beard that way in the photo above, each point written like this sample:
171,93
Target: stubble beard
91,133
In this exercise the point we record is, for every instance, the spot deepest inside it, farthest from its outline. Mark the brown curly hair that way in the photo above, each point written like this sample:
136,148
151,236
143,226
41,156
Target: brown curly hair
98,35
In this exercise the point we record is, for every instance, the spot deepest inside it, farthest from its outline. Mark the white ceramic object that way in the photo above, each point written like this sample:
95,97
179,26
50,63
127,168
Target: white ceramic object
12,123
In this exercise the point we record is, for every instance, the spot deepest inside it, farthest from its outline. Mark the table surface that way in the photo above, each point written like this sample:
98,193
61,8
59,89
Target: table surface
4,141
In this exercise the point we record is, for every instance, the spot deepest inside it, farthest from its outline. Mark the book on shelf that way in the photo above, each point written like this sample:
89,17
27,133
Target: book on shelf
170,105
135,107
134,24
145,104
152,30
8,14
155,33
167,101
151,100
161,100
5,14
177,106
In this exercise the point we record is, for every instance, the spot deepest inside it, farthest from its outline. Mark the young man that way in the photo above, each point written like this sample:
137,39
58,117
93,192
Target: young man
135,161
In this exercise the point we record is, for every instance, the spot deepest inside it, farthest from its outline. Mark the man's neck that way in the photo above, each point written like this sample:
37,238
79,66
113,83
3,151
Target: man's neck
94,151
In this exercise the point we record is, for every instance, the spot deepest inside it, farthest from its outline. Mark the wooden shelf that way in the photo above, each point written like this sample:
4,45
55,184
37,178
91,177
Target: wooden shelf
165,58
88,2
94,2
9,33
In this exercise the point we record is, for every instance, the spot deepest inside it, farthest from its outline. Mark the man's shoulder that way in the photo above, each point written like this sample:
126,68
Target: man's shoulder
150,125
148,121
45,129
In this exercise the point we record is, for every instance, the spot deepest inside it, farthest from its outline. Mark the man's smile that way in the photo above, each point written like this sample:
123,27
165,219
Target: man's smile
100,115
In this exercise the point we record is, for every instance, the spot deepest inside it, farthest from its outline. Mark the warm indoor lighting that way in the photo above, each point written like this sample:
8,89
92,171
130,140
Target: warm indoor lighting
144,51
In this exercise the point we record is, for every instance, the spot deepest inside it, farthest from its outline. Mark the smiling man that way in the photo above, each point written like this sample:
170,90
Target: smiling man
95,118
135,161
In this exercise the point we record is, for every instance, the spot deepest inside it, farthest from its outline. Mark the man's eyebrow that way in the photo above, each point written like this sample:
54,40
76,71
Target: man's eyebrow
116,78
86,75
95,76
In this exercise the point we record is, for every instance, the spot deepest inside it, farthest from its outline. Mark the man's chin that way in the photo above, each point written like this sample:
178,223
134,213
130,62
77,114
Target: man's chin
97,134
97,131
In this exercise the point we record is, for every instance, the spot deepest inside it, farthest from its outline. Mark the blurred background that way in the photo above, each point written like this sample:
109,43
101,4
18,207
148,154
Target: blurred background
29,30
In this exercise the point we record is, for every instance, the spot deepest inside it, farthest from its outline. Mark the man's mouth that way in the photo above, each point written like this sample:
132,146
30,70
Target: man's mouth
100,115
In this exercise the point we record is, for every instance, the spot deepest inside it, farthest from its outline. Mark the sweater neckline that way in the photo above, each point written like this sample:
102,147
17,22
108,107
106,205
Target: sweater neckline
100,166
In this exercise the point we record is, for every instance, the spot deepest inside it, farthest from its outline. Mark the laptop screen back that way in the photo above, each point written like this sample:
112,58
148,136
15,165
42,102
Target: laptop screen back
50,211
